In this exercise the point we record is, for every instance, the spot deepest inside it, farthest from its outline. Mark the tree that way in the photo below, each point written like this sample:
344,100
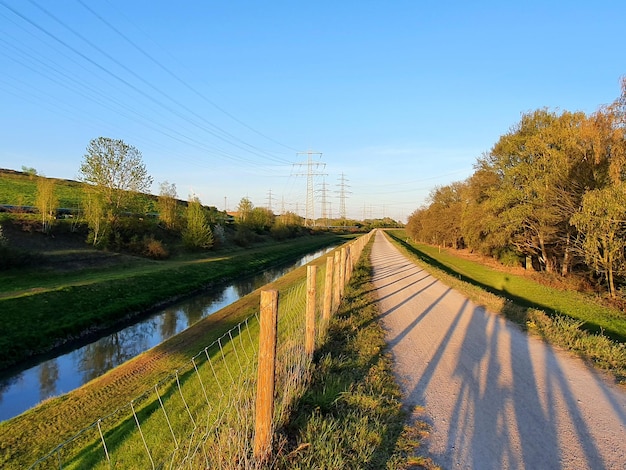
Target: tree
244,210
197,234
168,204
602,224
46,202
94,214
117,172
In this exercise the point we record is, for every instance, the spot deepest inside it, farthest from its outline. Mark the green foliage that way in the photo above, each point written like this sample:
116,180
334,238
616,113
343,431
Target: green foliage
244,210
167,204
602,224
101,297
197,234
30,171
117,173
527,193
47,203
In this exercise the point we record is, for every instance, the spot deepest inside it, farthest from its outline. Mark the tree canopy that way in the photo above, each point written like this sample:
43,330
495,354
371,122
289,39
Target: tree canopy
551,191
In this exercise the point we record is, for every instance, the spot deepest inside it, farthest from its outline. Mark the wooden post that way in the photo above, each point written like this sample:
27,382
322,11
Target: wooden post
342,271
311,281
336,288
266,375
328,290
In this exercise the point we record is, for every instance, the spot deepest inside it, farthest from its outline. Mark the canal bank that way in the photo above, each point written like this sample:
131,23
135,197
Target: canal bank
38,430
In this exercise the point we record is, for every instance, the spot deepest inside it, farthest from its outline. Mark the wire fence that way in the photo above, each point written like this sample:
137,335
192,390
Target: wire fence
202,415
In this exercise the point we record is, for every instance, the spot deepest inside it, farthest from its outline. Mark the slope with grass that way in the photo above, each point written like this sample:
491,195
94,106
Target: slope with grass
41,310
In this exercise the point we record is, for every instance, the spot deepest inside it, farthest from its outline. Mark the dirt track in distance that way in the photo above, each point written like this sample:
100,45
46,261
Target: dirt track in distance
495,397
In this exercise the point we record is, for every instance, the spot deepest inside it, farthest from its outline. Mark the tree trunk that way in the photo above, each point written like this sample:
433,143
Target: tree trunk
566,257
544,255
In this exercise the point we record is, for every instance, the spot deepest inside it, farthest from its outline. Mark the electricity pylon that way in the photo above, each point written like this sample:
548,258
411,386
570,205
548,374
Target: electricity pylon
311,172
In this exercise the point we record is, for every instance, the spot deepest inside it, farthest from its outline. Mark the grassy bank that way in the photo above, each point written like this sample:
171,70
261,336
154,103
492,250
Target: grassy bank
40,310
351,415
33,434
565,318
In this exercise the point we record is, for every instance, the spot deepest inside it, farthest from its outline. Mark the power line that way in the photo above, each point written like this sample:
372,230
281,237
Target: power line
118,78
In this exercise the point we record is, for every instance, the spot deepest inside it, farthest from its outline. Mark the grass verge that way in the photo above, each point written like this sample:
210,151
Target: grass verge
351,415
42,318
33,434
563,318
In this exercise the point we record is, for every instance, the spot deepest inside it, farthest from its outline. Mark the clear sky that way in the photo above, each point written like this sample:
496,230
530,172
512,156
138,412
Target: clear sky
221,97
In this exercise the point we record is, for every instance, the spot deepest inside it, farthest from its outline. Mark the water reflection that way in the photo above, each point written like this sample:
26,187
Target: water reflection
69,371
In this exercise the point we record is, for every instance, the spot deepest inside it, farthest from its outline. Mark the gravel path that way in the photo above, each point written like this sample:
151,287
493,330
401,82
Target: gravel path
495,397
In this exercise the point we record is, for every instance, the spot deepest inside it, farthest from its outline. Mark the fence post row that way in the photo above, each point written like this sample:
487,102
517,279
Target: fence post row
338,272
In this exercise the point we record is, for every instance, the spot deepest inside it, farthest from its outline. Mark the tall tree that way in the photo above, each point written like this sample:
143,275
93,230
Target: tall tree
602,223
116,171
46,202
197,233
244,210
168,204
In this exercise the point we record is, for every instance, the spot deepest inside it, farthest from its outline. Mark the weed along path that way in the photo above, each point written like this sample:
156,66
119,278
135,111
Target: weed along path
495,397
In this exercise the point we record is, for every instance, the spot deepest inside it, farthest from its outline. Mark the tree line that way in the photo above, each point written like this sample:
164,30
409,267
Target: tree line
549,195
118,213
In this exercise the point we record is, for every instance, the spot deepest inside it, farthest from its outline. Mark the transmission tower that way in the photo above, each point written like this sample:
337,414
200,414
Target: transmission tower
269,200
312,170
343,192
324,190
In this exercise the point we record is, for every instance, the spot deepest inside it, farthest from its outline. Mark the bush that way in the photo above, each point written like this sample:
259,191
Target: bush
155,249
509,258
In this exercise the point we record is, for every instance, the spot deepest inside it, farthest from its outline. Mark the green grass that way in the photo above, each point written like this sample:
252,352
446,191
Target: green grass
569,319
365,402
39,310
351,415
33,434
20,189
526,292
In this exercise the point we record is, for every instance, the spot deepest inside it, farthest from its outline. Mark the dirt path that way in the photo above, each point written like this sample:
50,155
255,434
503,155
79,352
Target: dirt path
495,397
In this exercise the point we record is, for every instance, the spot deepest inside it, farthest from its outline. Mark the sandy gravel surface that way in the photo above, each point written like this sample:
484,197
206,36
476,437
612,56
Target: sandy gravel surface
495,397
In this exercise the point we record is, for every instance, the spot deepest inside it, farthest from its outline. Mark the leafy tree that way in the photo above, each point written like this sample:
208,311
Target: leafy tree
602,223
117,172
260,219
244,210
29,171
197,234
46,202
94,211
168,204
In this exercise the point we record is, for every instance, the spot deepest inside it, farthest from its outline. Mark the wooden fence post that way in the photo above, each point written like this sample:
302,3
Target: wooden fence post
328,289
266,375
311,284
342,271
337,281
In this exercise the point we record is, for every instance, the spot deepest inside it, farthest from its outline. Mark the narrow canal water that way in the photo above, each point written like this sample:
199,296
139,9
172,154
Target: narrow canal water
64,373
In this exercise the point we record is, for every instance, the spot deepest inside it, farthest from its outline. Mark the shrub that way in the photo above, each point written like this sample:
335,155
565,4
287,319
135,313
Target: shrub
155,249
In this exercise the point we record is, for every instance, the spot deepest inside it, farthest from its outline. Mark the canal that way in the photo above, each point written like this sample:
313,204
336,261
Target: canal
24,389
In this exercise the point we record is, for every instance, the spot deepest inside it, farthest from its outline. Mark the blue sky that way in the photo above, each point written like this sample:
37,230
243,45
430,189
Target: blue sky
222,97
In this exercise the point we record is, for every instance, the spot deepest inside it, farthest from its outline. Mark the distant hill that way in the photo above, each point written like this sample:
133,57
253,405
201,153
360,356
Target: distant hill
18,188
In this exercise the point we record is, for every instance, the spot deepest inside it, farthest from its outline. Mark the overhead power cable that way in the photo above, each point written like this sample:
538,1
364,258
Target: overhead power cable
181,81
213,129
127,83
